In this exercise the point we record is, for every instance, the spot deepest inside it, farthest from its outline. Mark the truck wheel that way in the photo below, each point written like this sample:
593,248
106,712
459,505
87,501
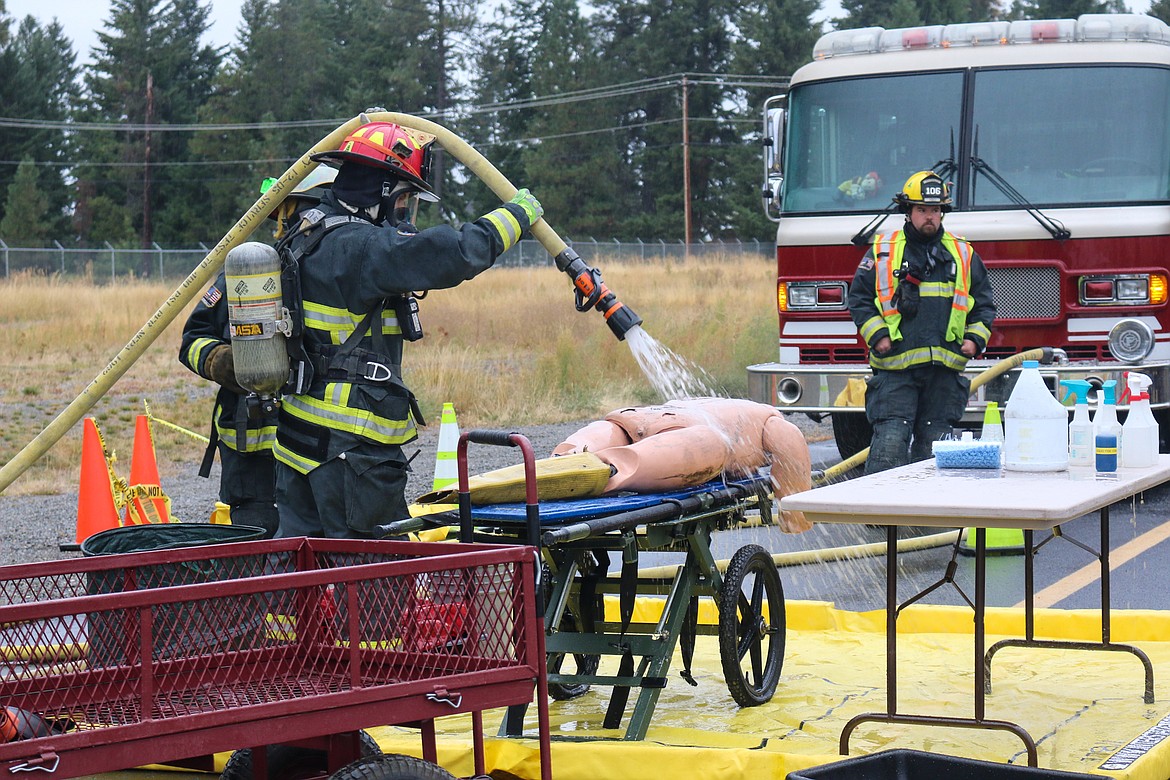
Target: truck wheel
392,767
286,762
852,432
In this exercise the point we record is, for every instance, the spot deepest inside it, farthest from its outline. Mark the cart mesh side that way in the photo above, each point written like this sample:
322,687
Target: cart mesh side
125,646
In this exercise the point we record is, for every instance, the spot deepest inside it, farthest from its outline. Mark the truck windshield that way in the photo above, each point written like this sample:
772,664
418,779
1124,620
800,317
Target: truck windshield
840,132
1067,136
1074,136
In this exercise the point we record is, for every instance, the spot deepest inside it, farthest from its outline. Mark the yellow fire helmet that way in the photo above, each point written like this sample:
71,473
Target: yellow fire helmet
924,188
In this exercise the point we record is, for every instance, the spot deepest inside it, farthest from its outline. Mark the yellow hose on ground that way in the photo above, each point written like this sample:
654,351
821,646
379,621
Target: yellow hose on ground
848,552
198,279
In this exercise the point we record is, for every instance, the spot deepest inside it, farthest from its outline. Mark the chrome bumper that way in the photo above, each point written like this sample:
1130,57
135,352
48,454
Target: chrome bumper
818,389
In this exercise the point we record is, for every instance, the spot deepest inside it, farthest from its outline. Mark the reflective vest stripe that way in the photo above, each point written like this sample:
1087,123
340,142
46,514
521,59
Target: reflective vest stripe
888,253
506,225
884,281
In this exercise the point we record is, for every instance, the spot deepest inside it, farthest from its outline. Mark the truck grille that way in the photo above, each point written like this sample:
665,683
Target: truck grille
1026,293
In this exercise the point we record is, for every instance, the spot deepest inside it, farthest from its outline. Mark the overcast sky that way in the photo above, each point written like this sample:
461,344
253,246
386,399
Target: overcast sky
81,19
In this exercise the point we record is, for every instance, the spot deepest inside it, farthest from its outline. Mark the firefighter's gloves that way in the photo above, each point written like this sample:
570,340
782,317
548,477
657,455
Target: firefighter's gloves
906,296
527,201
220,368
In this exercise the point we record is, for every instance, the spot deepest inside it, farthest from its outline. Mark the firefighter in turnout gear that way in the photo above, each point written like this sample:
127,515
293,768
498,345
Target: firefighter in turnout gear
922,301
247,480
361,264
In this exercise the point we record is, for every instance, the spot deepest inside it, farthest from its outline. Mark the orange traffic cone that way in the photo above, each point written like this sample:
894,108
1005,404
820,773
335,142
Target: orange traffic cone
96,510
147,503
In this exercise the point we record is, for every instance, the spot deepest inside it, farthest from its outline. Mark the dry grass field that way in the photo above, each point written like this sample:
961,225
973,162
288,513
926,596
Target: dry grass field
507,349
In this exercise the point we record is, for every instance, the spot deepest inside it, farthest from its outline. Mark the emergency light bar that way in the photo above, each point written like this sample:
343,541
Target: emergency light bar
1085,28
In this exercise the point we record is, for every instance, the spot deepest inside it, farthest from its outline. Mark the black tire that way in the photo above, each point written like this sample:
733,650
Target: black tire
751,640
286,762
852,433
585,664
392,767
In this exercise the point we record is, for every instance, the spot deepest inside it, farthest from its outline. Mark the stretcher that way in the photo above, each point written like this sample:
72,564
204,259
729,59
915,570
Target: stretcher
579,538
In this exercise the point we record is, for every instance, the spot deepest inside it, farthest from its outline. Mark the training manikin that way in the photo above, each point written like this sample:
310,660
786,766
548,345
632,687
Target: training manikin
688,442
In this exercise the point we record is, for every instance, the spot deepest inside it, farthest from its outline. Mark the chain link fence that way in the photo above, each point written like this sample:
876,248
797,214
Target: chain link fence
109,264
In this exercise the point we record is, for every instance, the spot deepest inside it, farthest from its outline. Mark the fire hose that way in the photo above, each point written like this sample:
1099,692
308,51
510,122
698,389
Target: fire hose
591,291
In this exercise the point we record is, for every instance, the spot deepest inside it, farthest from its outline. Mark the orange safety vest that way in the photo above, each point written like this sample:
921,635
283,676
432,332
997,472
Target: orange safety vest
888,251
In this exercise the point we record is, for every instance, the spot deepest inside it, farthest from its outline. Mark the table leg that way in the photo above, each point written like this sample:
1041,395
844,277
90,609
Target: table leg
1029,639
891,714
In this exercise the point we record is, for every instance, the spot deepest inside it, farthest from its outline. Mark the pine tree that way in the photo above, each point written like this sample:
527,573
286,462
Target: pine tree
38,82
666,39
26,209
150,70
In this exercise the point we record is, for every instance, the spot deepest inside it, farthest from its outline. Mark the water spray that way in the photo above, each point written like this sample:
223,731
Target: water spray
591,293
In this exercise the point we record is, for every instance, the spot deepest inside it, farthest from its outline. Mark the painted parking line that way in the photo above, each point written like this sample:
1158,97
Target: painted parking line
1090,573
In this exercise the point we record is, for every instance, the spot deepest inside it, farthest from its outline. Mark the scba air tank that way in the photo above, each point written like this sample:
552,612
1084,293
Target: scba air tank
256,318
1036,425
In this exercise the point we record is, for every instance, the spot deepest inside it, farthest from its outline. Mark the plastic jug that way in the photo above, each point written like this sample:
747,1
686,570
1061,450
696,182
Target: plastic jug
1036,435
1139,435
1081,451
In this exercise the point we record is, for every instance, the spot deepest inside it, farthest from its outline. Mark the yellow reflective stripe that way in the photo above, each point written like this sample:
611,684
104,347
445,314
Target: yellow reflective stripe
979,329
949,359
919,356
293,460
871,326
340,323
506,225
256,439
936,290
903,360
356,421
197,348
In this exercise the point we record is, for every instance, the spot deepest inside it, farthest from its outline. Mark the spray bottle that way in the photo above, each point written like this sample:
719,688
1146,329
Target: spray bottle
1139,435
1080,430
1106,429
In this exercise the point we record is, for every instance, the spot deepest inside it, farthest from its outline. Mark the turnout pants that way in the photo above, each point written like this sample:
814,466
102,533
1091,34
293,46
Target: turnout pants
911,409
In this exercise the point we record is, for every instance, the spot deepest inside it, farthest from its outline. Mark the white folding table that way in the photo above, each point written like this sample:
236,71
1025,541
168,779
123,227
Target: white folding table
922,495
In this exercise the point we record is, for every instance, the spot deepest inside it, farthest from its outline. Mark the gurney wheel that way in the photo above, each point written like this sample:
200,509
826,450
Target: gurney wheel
586,664
751,626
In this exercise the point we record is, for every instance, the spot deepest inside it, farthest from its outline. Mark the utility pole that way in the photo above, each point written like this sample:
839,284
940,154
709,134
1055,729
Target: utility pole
686,145
147,222
437,155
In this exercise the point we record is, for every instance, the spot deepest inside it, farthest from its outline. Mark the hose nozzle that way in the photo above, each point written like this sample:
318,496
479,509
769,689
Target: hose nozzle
591,293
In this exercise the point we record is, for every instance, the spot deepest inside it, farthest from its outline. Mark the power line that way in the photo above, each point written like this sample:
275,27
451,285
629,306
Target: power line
639,86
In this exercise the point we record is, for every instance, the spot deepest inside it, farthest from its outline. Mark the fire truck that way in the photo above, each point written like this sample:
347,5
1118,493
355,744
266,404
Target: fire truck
1055,137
